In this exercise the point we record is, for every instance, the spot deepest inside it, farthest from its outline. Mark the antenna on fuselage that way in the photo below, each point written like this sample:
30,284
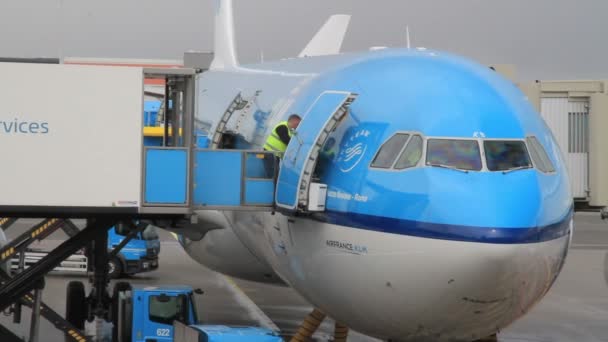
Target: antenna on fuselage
407,37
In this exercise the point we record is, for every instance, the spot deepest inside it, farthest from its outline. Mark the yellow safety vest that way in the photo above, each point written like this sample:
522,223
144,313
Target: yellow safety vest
274,143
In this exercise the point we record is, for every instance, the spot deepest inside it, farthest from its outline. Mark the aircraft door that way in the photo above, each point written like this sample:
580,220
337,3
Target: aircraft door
300,158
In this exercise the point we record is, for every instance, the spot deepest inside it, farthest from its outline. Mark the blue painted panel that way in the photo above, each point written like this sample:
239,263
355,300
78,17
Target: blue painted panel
259,192
296,155
166,176
257,166
217,176
151,112
221,333
202,141
153,141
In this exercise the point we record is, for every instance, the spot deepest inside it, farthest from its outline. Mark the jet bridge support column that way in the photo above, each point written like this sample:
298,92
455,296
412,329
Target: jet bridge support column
35,321
99,298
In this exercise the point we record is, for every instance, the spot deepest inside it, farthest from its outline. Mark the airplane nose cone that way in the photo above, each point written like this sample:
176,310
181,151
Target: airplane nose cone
485,200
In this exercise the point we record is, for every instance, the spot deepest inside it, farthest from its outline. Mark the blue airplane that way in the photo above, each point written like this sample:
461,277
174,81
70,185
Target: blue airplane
448,213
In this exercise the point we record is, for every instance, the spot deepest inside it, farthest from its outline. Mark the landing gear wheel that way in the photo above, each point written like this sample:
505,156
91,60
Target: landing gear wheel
75,306
114,268
118,287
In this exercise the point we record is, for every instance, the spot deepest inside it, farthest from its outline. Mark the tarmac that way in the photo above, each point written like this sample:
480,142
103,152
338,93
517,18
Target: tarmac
575,309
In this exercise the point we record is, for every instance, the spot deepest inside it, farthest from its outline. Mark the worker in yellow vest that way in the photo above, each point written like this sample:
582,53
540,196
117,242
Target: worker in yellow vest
278,140
281,135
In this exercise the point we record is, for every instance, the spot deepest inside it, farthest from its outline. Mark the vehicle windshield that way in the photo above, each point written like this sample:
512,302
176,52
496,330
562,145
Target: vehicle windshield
150,233
506,155
453,153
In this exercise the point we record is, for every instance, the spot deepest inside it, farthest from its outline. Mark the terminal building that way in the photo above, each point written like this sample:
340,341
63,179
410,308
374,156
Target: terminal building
576,111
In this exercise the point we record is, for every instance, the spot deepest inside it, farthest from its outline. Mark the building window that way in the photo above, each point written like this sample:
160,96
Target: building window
578,132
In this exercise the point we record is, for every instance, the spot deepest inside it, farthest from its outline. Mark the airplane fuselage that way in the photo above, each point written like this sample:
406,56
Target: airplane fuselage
407,249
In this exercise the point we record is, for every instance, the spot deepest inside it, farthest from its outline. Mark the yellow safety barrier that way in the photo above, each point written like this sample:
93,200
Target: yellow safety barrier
156,131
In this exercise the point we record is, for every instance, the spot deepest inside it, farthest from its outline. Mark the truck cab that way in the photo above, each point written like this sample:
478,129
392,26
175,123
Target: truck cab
139,255
153,313
156,308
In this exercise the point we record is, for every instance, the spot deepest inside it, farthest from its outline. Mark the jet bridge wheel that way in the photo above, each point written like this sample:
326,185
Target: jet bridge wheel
75,305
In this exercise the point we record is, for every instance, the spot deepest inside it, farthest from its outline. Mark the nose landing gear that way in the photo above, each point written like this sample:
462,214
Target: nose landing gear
311,324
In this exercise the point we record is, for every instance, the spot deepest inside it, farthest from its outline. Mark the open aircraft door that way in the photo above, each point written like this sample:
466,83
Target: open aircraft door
298,164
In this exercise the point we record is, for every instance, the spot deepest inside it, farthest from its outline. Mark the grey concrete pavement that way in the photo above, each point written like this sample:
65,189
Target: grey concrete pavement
576,308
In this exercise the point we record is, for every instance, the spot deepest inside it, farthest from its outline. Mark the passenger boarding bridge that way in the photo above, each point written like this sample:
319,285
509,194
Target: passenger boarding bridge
71,156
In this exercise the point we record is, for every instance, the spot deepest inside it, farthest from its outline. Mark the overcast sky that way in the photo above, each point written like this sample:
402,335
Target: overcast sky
545,39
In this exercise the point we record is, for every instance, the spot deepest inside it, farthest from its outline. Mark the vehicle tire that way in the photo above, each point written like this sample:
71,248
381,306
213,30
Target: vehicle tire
75,305
118,287
114,268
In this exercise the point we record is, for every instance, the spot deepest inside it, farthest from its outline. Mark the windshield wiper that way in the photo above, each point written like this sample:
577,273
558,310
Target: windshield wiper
516,168
448,167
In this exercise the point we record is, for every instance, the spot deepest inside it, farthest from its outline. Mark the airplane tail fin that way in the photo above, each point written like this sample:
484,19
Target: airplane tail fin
224,42
329,38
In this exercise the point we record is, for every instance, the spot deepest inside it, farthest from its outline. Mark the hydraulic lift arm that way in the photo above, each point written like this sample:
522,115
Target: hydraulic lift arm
38,232
24,282
49,314
6,222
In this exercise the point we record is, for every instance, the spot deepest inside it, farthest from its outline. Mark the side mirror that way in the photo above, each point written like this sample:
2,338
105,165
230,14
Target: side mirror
199,291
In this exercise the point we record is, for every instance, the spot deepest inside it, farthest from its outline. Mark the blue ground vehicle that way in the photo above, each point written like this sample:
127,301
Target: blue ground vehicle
145,313
140,254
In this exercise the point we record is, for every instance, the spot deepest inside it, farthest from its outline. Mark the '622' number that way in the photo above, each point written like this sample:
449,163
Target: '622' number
163,332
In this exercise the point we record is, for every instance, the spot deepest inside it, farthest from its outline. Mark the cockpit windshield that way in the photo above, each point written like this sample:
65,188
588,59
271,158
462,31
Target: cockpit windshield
453,153
506,155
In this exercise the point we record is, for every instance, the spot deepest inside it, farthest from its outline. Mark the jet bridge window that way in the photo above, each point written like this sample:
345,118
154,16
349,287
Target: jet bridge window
506,155
385,158
539,155
453,154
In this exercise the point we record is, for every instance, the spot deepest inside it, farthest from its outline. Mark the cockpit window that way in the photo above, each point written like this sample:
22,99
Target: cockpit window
539,155
411,155
506,155
452,153
390,151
